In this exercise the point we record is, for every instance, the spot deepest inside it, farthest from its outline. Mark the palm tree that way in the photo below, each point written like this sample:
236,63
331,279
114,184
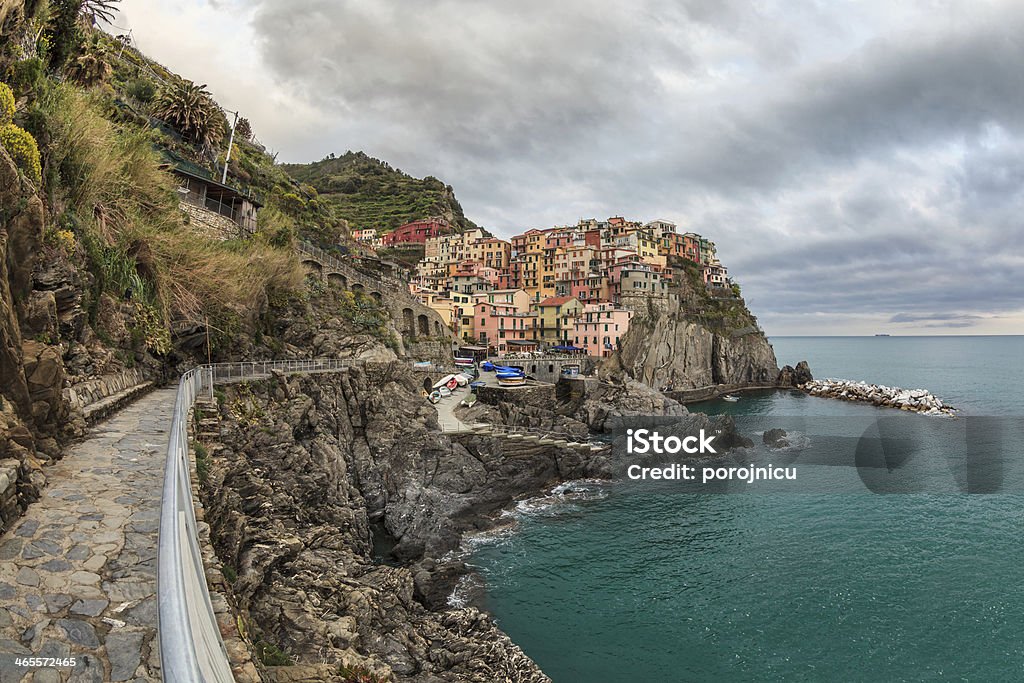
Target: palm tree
99,10
190,109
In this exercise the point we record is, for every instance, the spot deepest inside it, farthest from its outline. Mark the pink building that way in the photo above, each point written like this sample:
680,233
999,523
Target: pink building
498,324
600,327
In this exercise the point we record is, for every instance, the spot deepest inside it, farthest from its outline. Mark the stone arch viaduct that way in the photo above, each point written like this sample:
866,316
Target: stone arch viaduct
414,320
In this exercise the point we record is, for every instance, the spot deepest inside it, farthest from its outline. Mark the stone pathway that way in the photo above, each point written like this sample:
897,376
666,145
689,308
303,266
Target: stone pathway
78,571
446,411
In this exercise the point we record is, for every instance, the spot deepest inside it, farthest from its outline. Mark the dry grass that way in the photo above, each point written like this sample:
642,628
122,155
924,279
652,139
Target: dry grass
110,179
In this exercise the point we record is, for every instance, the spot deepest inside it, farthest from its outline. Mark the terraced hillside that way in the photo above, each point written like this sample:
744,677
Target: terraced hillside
369,193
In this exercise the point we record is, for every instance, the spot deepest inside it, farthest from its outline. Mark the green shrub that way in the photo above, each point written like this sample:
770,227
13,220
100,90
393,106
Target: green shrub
202,462
6,104
26,74
142,89
22,147
271,655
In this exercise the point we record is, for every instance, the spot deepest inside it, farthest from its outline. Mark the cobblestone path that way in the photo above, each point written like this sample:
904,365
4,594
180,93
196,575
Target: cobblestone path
78,571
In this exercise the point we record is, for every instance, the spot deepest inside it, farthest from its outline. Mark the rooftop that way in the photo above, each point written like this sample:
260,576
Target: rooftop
556,301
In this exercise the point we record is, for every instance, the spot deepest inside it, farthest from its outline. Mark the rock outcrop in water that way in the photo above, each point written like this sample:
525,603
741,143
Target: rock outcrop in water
794,377
308,466
691,339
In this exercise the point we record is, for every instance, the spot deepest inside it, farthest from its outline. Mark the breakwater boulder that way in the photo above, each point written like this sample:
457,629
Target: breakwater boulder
914,400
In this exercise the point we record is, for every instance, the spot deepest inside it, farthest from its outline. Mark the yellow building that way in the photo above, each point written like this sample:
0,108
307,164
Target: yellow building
556,319
490,251
529,273
462,314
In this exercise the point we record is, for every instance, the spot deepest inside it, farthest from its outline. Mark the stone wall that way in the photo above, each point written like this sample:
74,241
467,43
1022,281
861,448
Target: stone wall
98,397
529,394
9,508
548,369
211,223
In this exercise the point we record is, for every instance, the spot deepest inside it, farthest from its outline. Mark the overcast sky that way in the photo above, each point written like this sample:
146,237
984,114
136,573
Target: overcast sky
860,165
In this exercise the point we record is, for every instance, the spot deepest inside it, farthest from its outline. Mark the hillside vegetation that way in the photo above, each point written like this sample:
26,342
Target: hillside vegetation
111,228
369,193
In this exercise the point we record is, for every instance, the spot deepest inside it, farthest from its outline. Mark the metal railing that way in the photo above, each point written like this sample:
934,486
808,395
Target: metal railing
191,648
504,360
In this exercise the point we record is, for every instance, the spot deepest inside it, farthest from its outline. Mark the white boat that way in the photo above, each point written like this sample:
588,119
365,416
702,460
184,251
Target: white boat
444,391
730,398
443,381
462,380
511,381
464,362
435,396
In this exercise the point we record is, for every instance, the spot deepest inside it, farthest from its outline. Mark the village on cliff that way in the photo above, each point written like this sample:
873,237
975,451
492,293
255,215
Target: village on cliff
566,288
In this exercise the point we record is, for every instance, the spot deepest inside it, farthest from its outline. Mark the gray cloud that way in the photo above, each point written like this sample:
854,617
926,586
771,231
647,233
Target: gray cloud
858,161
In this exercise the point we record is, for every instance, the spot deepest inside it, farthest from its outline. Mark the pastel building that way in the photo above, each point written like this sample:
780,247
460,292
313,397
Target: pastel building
556,317
503,327
600,328
715,274
517,298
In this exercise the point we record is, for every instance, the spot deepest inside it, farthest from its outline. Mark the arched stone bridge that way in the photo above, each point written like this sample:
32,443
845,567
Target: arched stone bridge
413,319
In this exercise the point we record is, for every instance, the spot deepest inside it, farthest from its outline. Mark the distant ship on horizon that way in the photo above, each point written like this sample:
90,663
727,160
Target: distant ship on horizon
883,334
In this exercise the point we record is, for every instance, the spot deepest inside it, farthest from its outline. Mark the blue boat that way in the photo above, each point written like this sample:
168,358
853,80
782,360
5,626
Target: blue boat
510,374
487,366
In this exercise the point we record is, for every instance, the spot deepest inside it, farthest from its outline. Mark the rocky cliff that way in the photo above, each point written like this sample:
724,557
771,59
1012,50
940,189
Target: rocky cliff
691,339
311,472
32,372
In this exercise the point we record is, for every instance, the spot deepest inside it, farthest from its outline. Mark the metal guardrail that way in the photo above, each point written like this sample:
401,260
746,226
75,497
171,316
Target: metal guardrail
191,648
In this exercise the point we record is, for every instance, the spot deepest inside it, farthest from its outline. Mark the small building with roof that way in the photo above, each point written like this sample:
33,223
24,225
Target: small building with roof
218,209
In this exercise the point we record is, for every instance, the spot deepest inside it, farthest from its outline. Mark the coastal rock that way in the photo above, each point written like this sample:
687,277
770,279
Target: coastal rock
607,402
794,377
312,473
914,400
690,340
775,438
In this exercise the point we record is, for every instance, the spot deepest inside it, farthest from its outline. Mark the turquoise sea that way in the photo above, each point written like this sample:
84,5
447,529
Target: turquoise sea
639,582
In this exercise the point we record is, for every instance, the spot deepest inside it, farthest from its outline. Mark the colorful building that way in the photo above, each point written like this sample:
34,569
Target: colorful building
417,232
600,328
556,318
499,325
